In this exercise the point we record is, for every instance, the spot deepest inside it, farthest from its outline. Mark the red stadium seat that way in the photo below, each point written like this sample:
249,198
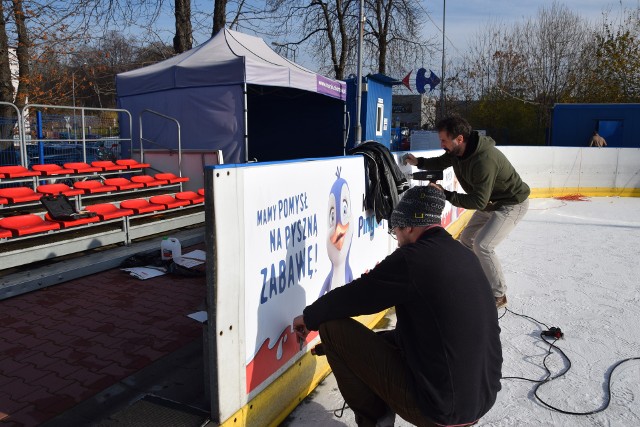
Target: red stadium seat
148,180
93,186
201,191
81,167
52,169
191,196
22,225
4,201
72,223
16,172
168,201
58,189
107,211
108,165
171,178
123,183
141,206
4,233
132,164
19,194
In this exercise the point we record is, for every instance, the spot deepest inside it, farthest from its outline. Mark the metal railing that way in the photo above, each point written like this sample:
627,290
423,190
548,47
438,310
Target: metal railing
170,149
77,141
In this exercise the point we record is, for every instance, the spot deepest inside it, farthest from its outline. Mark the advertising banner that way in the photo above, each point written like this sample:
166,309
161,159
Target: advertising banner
334,88
306,232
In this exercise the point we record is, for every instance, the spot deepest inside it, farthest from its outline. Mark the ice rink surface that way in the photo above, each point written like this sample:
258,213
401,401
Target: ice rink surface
569,264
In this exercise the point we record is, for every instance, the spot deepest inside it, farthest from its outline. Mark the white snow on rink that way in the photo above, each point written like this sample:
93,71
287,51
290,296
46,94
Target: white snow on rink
572,265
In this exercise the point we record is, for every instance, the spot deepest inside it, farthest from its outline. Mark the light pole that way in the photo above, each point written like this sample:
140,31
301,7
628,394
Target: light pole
442,85
73,96
361,21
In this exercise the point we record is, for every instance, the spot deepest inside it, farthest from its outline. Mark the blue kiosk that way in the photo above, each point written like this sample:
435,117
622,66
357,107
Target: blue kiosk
376,106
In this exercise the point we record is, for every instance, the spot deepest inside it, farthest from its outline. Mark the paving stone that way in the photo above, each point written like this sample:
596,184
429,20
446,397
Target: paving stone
71,341
53,382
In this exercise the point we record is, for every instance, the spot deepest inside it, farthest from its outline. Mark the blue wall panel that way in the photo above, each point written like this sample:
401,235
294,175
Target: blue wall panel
574,124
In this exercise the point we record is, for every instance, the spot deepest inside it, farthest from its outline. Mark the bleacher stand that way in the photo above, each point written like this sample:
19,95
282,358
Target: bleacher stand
50,169
22,225
16,172
81,167
148,180
107,211
94,186
171,178
19,195
107,165
169,202
191,196
140,206
72,223
123,183
132,164
58,189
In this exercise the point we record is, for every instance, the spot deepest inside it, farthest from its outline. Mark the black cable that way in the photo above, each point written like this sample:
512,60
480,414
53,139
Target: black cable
557,334
338,412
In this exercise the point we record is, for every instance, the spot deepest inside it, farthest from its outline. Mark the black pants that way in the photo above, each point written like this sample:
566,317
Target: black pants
370,372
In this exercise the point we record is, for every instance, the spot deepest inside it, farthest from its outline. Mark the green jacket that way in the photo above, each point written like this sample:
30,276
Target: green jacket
484,173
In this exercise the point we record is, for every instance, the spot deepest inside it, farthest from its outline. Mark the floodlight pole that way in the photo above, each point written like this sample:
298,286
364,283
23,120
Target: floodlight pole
358,136
73,94
442,82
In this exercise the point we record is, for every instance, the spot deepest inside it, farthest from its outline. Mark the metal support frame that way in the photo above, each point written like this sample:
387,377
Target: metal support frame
172,119
52,244
82,118
23,151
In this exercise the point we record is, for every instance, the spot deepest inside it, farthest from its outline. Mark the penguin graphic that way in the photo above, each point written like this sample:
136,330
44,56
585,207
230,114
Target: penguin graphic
339,235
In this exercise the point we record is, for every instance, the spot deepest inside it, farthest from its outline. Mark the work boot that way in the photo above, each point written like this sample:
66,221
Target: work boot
501,301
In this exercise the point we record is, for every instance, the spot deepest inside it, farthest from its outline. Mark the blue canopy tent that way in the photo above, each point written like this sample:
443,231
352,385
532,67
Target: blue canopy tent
234,93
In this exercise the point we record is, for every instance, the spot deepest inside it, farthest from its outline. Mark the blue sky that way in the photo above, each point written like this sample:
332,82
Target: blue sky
464,19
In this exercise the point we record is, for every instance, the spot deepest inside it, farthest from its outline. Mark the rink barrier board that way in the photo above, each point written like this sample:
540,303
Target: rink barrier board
550,172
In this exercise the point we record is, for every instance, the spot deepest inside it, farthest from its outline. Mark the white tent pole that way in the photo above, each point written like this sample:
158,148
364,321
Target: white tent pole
358,135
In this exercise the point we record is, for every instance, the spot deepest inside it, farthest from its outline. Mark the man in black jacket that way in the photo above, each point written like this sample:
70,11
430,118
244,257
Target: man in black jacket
441,365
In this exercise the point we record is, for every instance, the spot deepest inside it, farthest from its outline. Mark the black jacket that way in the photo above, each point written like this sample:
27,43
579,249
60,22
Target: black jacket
447,325
385,179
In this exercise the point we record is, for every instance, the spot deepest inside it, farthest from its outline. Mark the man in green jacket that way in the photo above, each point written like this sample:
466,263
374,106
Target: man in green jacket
493,188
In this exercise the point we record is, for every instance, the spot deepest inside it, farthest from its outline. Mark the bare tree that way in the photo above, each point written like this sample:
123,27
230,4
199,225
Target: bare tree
610,62
325,28
6,88
393,35
22,53
525,68
183,40
477,69
219,16
6,91
552,44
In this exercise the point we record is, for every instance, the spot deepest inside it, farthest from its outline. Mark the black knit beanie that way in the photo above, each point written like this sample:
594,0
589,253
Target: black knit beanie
420,206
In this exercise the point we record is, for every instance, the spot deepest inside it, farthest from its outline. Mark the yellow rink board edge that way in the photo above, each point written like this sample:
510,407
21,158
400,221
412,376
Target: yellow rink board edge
261,410
295,383
585,191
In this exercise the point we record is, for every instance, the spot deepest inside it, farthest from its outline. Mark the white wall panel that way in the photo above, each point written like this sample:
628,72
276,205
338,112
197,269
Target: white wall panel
628,168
